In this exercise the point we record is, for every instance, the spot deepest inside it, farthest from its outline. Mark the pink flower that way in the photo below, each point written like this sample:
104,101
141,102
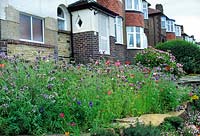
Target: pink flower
117,63
97,62
107,63
62,115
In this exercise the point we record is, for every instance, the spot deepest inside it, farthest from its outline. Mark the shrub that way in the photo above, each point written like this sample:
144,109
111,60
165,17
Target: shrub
103,132
172,123
142,130
156,58
186,53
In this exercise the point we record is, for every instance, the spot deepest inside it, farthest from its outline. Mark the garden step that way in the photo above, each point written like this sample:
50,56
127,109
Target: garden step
190,80
153,119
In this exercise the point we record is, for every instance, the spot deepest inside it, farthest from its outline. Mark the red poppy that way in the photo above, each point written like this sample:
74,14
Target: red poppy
127,62
109,92
167,68
62,115
2,65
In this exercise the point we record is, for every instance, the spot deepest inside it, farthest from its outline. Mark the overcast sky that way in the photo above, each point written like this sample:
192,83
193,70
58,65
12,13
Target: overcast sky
185,12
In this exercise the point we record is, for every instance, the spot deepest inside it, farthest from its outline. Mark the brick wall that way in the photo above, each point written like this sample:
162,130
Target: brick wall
85,46
114,5
171,36
134,19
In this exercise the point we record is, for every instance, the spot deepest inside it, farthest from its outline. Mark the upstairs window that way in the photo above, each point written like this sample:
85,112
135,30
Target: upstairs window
178,30
145,10
163,22
119,30
31,28
61,19
134,5
135,38
170,26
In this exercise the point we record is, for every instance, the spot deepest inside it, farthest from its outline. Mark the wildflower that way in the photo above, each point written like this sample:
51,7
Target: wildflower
109,92
90,104
195,97
62,115
167,68
72,124
127,62
107,63
97,62
117,64
132,75
79,102
190,94
2,65
41,110
66,133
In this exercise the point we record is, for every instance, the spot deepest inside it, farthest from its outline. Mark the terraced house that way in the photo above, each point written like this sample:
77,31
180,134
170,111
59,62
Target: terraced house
79,29
82,29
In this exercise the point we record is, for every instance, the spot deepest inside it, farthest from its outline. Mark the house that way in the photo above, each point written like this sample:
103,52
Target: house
79,29
161,28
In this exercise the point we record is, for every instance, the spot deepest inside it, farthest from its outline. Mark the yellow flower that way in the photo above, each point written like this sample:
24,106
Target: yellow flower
195,97
66,133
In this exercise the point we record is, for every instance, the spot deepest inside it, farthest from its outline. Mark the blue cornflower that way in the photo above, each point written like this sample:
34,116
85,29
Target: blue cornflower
90,104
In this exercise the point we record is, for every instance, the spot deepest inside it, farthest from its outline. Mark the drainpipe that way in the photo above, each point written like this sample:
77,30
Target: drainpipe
72,42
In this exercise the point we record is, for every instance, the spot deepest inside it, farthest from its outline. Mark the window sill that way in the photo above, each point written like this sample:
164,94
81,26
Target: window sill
133,10
64,31
29,43
134,48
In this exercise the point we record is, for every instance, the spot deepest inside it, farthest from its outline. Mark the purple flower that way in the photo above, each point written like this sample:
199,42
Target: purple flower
79,102
90,104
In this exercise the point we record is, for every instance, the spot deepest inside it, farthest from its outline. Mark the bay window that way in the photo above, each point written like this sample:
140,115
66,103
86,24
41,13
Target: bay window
170,26
134,5
31,28
119,30
136,38
163,22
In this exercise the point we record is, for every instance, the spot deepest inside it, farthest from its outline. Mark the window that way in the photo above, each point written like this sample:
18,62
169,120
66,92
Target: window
61,18
104,45
119,30
163,22
31,28
178,30
136,39
134,5
145,10
170,26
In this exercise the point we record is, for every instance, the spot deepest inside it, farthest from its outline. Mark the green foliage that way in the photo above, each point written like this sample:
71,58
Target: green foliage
186,53
172,123
156,58
44,97
103,132
142,130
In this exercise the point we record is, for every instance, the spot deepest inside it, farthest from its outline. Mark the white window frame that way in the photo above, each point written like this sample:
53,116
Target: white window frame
145,9
178,30
31,27
134,33
101,37
62,19
119,30
163,21
133,6
170,26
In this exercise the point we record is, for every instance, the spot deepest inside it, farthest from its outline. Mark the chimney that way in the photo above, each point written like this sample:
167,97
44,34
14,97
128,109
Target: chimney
159,7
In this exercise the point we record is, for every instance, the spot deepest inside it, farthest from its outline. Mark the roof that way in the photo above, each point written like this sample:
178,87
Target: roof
90,4
147,2
154,11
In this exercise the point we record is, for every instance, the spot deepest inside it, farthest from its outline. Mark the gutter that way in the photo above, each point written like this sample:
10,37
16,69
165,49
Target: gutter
72,42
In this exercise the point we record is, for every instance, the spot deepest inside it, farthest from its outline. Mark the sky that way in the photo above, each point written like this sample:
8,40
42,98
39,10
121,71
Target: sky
185,12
